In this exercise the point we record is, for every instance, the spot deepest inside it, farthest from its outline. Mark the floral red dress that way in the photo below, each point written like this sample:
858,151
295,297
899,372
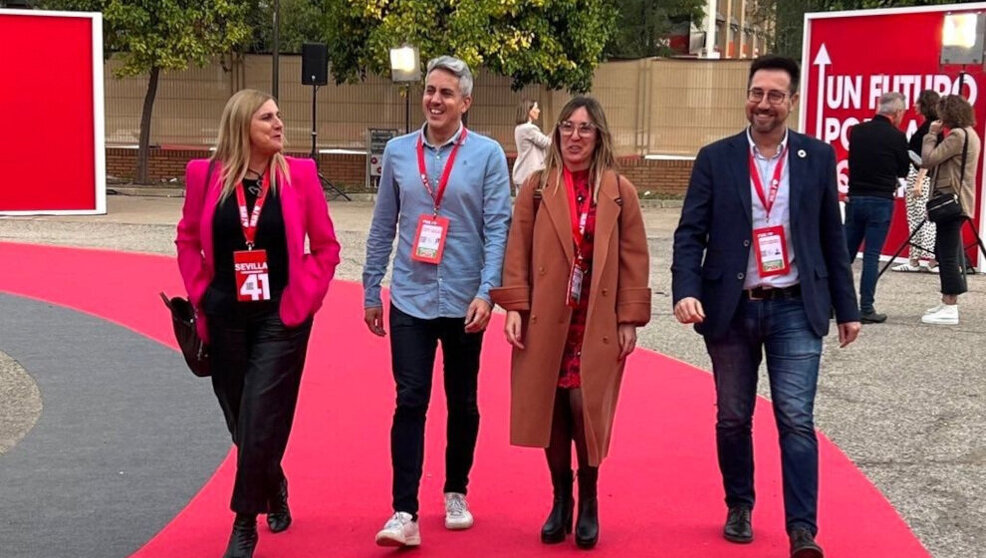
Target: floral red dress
570,376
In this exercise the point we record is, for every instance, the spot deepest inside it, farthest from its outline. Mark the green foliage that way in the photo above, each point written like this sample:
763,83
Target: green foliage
301,22
644,25
554,42
165,34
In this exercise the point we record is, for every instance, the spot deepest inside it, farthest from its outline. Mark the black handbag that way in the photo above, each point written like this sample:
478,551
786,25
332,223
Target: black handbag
183,321
945,206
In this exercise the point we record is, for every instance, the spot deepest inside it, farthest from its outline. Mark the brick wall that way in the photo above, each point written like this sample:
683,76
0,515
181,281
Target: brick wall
659,177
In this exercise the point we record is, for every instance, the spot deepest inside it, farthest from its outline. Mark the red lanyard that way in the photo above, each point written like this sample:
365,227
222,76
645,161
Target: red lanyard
775,183
579,214
250,223
436,195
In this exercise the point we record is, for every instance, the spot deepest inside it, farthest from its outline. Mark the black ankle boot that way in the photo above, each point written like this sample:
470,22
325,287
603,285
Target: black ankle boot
244,537
587,526
279,516
559,522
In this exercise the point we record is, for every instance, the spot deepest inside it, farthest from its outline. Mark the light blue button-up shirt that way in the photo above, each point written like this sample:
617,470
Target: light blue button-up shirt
477,204
780,214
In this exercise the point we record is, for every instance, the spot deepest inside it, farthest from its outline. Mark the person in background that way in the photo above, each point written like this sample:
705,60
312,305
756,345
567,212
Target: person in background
918,188
532,145
241,253
953,165
575,290
877,162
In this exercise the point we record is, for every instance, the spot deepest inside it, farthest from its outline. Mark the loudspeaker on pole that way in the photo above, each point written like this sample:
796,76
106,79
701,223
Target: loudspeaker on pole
314,64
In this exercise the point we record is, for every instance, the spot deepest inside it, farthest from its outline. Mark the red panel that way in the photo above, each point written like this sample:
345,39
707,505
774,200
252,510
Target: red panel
873,54
46,91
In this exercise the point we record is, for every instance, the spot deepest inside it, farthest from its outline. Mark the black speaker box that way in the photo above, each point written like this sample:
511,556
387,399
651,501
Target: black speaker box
314,64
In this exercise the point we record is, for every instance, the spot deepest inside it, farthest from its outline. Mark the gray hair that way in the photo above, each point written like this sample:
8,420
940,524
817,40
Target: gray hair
457,68
891,102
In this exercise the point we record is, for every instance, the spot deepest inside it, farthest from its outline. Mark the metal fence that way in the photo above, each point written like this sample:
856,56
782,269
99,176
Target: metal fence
654,106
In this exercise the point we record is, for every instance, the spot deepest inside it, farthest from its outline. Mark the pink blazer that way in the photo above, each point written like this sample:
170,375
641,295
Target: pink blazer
305,213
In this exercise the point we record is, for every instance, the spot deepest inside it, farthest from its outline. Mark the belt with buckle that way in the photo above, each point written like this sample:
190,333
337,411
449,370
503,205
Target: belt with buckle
767,293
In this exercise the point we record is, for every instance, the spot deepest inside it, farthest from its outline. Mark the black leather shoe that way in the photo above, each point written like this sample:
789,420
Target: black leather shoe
587,527
738,527
244,537
803,545
279,516
559,522
873,318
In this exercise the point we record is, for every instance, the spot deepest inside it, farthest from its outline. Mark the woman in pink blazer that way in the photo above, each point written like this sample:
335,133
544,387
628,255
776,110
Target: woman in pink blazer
241,251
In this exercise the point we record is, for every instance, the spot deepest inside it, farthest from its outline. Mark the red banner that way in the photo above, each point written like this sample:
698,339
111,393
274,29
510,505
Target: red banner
51,89
851,58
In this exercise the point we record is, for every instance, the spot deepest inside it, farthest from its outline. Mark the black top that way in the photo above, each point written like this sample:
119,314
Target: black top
227,237
877,157
914,144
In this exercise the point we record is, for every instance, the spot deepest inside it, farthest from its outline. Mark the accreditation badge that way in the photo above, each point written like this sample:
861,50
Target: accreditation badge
770,247
252,282
575,285
429,240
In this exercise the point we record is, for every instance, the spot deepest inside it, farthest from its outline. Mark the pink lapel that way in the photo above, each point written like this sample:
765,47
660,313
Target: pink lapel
291,211
208,211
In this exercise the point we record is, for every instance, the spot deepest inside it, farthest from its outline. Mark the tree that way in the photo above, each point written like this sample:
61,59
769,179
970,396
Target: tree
644,25
789,26
553,42
156,35
300,23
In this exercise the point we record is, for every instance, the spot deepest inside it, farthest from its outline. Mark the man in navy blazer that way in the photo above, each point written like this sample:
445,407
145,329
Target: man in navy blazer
759,262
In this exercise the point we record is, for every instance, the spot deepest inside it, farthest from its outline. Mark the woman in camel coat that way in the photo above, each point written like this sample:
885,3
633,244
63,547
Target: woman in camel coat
569,351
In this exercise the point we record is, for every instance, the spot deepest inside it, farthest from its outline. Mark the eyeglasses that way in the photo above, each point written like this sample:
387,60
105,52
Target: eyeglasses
774,96
585,129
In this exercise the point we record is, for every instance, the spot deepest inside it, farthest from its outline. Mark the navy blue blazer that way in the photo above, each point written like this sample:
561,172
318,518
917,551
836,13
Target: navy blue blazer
717,223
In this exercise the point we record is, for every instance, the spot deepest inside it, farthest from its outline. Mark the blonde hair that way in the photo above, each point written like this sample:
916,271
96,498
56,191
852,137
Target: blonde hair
233,143
603,157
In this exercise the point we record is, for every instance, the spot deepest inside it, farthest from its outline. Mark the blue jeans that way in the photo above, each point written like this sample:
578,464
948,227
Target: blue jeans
781,329
867,218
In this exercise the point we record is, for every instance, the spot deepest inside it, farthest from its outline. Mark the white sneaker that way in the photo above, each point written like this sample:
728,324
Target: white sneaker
457,515
947,315
400,530
908,266
934,309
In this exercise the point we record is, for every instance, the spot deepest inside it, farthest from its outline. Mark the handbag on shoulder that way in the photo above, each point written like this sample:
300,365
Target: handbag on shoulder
183,321
945,206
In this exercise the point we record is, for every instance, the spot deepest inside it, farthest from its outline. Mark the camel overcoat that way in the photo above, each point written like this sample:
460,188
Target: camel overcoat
536,268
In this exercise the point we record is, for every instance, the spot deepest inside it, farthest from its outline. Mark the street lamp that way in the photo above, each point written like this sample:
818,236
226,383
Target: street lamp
405,68
962,41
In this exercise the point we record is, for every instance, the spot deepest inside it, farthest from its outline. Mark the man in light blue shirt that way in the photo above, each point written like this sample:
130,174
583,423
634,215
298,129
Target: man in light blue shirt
451,218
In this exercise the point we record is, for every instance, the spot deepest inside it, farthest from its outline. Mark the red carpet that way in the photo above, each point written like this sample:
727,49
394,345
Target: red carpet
660,493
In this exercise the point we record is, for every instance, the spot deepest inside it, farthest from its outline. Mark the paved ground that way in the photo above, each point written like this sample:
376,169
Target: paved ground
906,402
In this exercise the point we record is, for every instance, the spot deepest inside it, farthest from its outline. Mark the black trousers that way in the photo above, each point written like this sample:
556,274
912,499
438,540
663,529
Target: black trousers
256,372
413,342
948,250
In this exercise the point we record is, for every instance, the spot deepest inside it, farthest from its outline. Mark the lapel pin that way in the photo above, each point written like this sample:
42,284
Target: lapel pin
802,154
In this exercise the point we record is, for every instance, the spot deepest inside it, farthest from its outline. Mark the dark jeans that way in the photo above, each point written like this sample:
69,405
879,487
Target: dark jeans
867,218
781,329
951,262
256,372
413,342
